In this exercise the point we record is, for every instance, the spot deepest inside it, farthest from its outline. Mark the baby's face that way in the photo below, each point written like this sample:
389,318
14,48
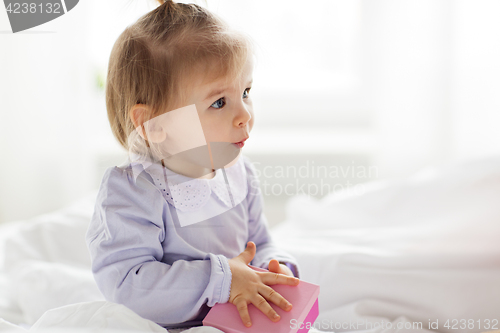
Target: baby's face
225,111
218,113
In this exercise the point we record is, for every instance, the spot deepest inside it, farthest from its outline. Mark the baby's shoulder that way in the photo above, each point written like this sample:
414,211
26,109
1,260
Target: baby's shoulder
127,178
124,195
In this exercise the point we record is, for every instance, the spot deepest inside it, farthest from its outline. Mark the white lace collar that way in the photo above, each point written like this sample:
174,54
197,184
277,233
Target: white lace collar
192,194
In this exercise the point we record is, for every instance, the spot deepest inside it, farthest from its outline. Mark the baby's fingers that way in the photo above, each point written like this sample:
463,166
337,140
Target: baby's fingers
241,306
271,295
261,304
275,278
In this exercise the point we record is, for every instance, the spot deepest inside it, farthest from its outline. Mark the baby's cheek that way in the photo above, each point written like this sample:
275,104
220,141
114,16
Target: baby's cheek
210,129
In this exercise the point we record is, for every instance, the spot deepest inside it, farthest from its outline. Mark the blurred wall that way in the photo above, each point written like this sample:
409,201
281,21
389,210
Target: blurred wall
44,93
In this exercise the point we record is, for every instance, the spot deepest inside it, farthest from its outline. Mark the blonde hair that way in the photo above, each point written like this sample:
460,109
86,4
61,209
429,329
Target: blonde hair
153,60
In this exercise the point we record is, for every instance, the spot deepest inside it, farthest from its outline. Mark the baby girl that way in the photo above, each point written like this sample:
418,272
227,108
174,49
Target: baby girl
176,227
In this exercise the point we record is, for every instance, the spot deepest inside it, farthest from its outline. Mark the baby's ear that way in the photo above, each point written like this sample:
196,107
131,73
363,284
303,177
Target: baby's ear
149,130
138,114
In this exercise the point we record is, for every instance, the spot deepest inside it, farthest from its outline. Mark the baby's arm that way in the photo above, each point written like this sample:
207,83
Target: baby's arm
258,228
125,240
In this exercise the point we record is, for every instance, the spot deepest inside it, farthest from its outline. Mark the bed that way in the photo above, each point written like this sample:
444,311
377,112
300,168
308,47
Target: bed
415,255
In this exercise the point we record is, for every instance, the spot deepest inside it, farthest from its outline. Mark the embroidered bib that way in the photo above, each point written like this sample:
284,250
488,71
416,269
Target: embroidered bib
192,194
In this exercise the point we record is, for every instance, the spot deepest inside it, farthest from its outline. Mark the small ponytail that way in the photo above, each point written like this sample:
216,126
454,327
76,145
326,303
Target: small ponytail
161,2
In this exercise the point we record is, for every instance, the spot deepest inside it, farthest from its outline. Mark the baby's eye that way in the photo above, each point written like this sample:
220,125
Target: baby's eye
246,92
218,104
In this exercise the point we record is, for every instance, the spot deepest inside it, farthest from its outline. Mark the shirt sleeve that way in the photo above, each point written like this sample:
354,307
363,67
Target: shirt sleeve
258,227
125,242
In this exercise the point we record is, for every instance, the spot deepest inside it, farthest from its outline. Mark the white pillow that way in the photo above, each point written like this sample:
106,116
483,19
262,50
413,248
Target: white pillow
57,237
425,248
40,286
455,195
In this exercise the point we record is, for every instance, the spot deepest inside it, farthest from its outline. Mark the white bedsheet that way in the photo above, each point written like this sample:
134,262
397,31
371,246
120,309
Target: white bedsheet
415,251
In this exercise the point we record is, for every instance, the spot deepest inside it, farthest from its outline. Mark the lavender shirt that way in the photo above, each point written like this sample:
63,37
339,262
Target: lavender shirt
171,274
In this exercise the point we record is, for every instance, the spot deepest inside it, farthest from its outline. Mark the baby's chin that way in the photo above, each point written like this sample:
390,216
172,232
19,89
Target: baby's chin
200,161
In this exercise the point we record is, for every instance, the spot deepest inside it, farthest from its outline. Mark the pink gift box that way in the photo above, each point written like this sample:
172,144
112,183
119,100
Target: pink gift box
305,310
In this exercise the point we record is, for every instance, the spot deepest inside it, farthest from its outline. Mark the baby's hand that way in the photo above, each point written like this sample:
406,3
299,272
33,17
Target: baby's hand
276,267
250,286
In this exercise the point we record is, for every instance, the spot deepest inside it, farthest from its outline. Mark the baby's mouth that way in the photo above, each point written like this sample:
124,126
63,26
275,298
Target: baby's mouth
240,144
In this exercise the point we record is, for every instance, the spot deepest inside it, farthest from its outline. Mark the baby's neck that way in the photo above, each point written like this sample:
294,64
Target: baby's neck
188,169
